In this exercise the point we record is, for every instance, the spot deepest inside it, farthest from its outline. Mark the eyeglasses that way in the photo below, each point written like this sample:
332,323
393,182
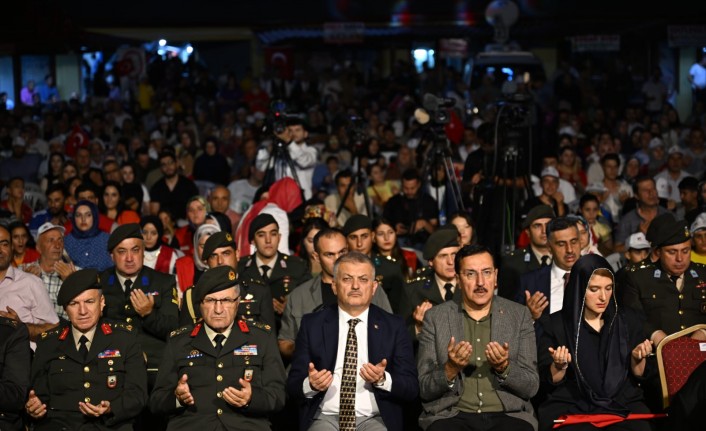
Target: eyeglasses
223,301
472,275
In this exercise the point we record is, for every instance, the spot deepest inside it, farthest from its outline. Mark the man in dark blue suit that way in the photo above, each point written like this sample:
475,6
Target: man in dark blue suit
542,290
353,366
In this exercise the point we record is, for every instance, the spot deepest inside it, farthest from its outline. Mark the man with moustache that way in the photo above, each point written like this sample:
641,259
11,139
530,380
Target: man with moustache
256,302
542,290
477,359
535,256
54,213
317,293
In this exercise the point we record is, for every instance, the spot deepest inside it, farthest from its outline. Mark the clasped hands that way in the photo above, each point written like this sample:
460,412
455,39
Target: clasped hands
234,397
320,380
37,410
459,356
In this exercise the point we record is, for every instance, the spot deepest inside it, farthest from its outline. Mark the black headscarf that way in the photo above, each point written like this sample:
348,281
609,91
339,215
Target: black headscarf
157,223
599,381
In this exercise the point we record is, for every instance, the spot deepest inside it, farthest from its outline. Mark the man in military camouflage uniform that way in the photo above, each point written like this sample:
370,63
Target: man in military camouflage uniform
91,373
672,291
534,256
256,302
359,234
15,356
280,272
219,374
435,284
138,295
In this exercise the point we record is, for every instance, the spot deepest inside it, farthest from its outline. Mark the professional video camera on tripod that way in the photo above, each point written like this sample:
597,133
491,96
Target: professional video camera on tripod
358,186
434,117
278,164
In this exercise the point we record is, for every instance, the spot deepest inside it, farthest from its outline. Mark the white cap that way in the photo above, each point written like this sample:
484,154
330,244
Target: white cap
655,142
637,241
49,226
549,171
675,150
567,130
699,223
596,188
156,135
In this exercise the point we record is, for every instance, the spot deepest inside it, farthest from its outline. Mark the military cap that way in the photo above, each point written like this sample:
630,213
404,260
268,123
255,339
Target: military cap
123,232
656,225
440,239
217,240
671,233
356,222
540,211
77,283
214,280
259,222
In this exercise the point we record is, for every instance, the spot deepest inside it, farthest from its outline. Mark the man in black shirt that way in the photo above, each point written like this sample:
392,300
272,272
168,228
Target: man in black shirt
414,213
172,191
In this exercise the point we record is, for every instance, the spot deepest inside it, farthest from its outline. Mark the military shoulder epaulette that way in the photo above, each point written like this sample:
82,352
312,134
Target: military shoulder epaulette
418,278
699,265
9,322
179,331
285,256
639,266
263,326
251,281
120,325
51,333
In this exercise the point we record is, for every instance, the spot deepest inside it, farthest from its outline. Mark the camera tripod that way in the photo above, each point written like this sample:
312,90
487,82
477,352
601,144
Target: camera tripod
279,164
438,157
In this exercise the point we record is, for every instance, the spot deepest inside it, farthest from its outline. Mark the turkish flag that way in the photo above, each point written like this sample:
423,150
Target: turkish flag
77,138
454,128
603,420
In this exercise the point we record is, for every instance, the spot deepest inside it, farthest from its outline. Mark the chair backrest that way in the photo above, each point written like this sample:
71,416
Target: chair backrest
678,355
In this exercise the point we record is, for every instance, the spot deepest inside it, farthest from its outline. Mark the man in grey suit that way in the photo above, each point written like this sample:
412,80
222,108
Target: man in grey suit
477,360
314,294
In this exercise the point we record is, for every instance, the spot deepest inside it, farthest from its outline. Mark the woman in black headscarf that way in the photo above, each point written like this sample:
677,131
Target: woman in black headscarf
158,255
592,355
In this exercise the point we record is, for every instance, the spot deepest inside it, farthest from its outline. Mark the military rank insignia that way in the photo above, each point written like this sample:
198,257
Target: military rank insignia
112,381
243,325
231,276
194,354
247,375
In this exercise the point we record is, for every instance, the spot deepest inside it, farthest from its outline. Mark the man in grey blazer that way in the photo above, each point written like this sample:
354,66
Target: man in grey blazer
477,359
314,294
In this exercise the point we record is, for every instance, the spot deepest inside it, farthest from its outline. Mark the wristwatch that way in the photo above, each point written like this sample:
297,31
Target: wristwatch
380,382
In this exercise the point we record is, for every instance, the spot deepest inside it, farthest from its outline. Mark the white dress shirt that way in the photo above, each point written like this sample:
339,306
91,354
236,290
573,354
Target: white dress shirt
556,299
365,404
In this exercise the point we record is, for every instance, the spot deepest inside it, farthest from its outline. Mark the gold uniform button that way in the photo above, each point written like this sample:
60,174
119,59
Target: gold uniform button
87,385
191,364
654,296
681,296
681,312
87,400
129,320
219,394
247,362
219,378
110,362
219,411
127,306
682,327
86,369
220,365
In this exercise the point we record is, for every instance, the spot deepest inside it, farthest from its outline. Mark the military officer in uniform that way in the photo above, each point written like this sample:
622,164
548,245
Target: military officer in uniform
280,272
359,235
534,256
15,356
256,300
89,374
220,373
672,291
138,295
435,284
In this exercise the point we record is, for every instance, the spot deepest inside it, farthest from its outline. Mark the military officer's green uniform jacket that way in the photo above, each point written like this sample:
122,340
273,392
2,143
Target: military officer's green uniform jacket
648,289
153,329
389,275
512,267
113,371
249,352
15,356
255,304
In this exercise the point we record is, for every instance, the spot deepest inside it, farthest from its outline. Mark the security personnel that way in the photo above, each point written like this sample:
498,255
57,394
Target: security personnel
219,374
534,256
359,235
138,295
15,356
280,272
435,284
672,291
256,302
89,373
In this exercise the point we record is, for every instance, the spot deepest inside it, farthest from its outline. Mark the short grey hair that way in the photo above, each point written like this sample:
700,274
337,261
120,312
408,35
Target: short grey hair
353,257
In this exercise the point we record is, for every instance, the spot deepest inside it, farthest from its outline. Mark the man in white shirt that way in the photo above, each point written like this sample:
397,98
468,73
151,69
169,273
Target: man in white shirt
353,365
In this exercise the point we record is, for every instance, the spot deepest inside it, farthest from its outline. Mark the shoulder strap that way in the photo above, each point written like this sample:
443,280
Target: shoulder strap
190,304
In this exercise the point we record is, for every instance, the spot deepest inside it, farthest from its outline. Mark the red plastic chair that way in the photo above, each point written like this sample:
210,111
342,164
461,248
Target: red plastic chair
678,355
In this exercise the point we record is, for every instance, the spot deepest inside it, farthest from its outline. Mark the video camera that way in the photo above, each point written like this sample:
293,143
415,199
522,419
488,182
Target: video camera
276,118
437,108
